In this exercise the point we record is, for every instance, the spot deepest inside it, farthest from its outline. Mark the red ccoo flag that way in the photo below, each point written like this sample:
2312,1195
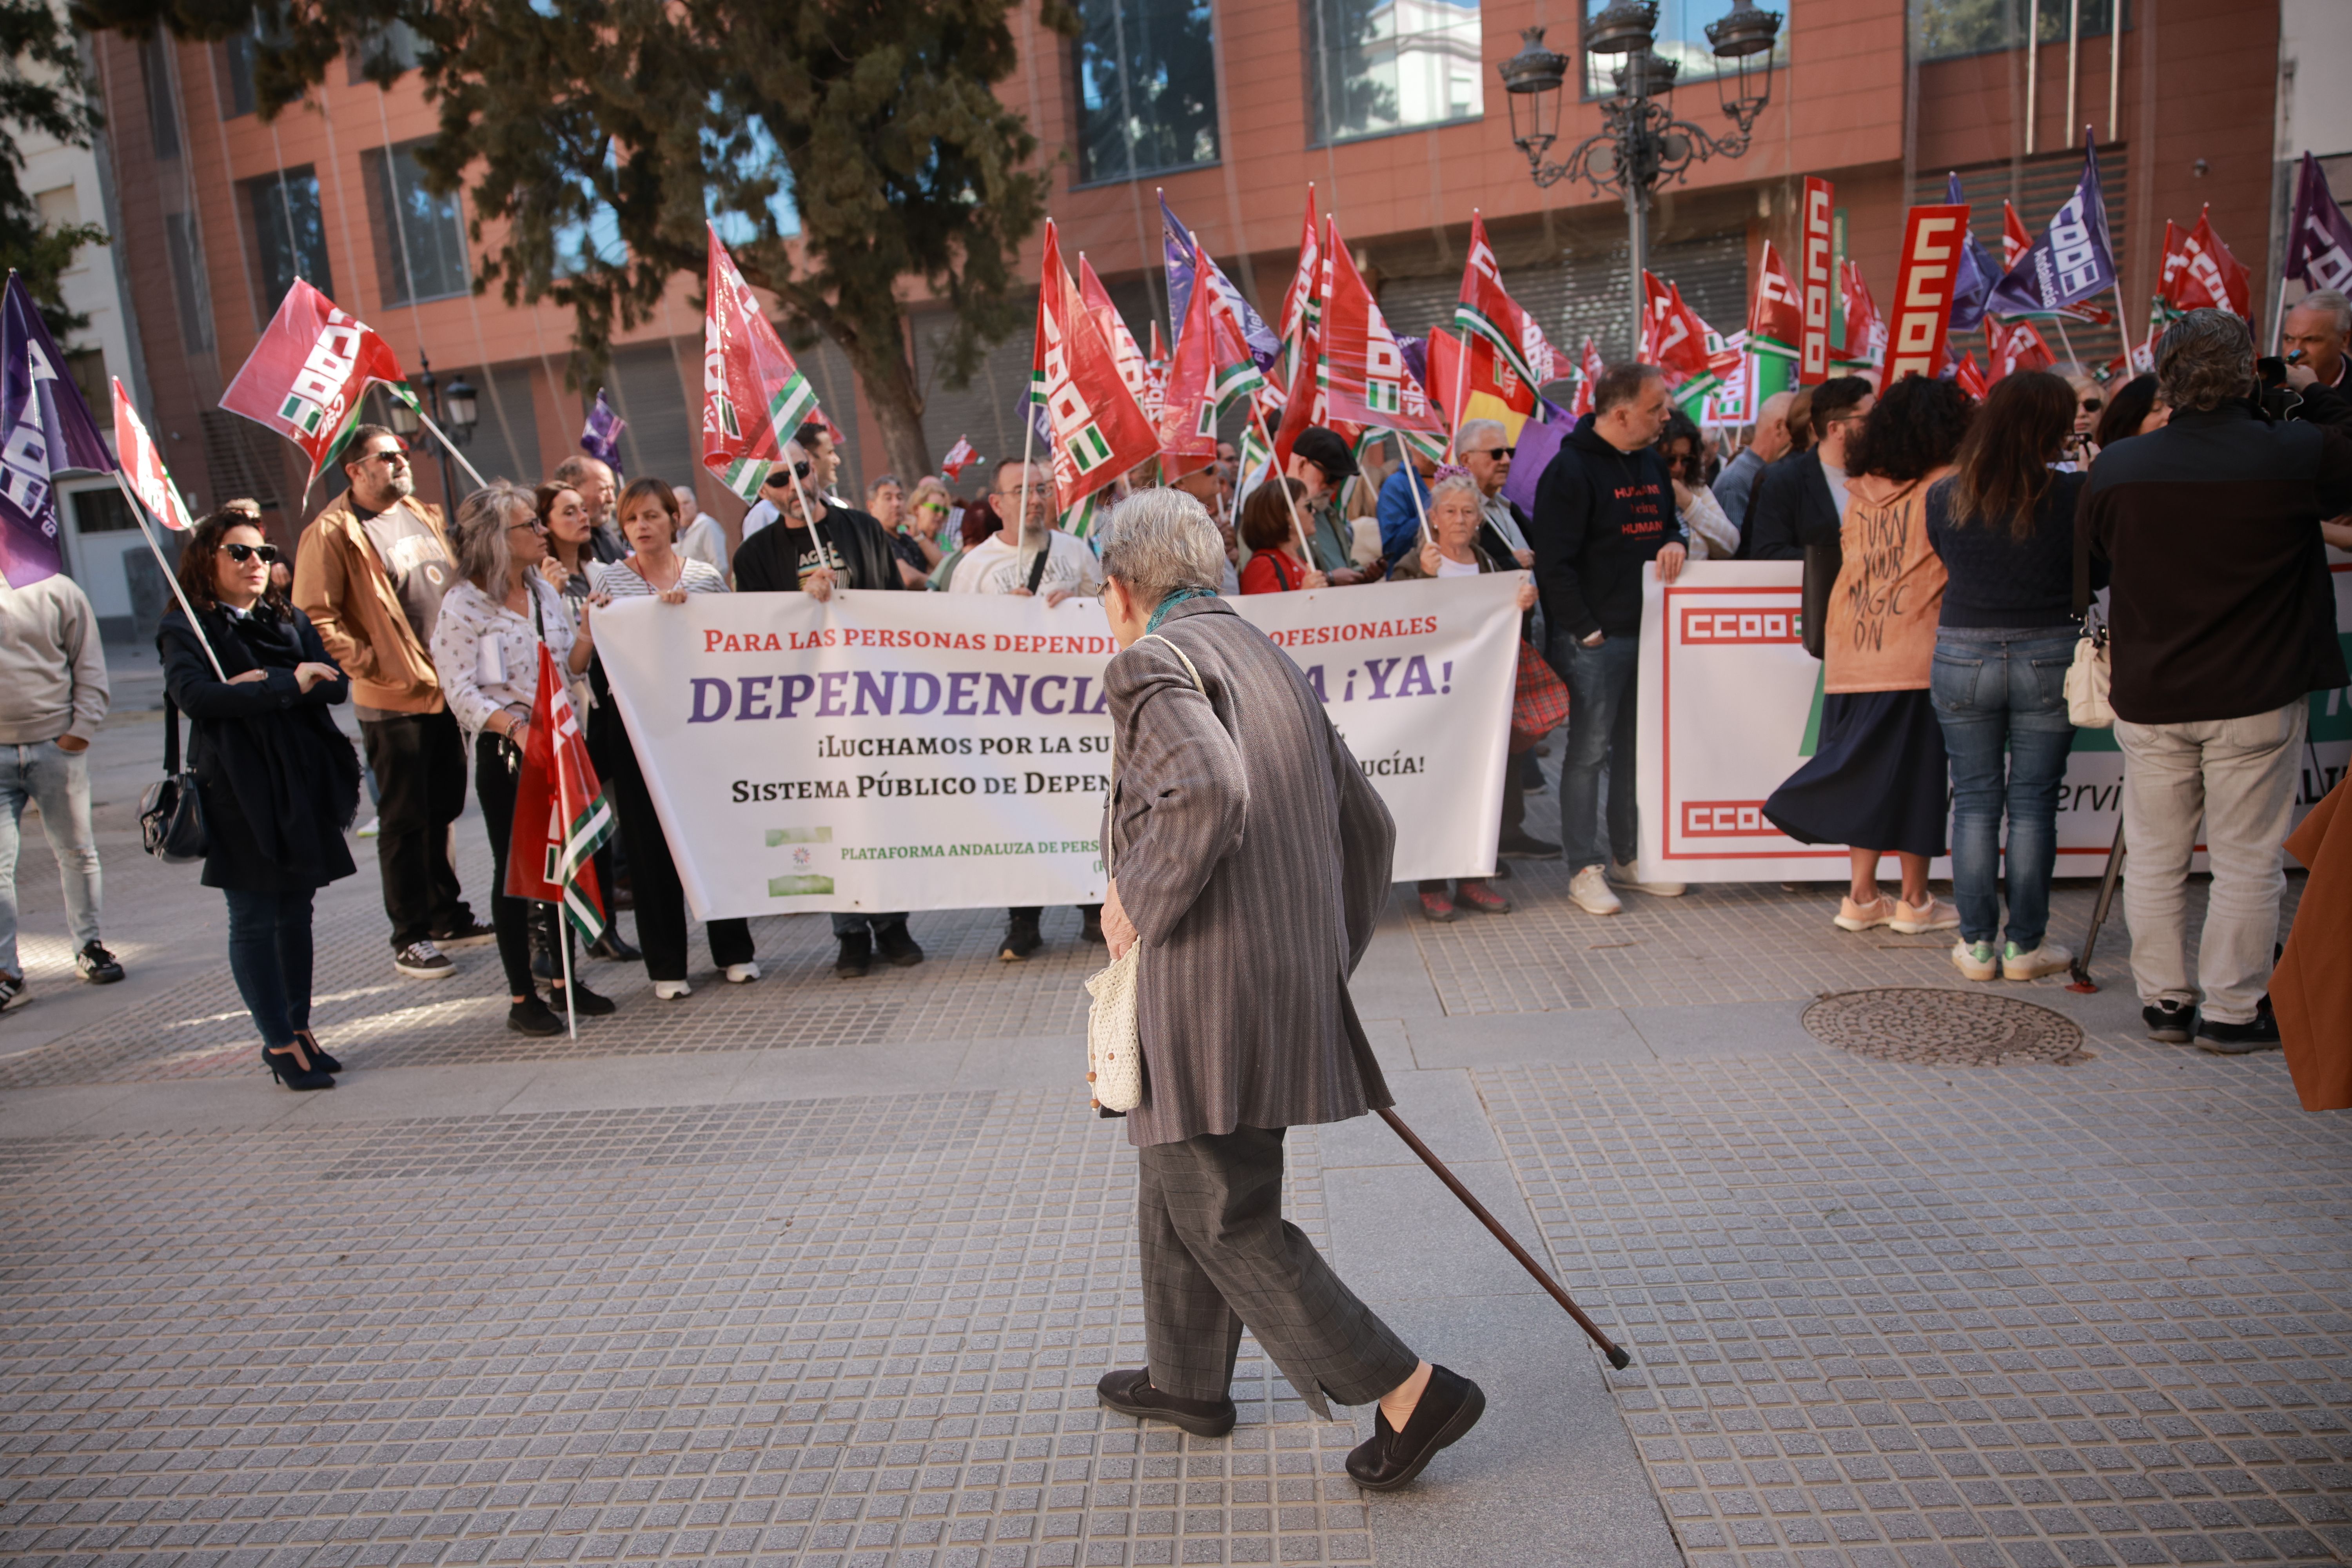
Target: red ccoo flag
306,377
2200,273
1100,429
1483,306
1777,318
1933,242
1366,380
142,464
2013,346
1813,348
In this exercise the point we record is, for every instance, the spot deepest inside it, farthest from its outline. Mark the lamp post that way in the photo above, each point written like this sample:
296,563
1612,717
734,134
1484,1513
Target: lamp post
1641,145
457,418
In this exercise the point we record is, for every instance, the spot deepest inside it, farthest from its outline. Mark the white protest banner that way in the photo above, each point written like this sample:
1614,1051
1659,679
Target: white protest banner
1731,705
930,751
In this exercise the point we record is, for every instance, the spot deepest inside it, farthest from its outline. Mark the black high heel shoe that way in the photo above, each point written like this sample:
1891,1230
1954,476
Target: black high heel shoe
319,1055
292,1066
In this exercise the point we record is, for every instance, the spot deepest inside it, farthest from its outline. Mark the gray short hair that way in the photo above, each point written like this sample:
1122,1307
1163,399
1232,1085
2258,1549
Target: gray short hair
2205,359
1463,482
1157,541
2331,301
483,519
1477,435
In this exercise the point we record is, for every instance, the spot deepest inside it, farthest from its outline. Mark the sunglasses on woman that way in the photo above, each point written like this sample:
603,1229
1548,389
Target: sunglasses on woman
241,554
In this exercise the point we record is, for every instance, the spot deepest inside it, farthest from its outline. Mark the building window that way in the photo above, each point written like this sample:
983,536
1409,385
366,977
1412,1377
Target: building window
1942,28
87,369
237,65
1379,66
420,240
289,235
102,512
1147,87
155,74
188,291
1682,38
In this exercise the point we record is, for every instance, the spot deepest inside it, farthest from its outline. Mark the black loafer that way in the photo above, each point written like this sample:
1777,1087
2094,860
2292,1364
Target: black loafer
1131,1394
1449,1407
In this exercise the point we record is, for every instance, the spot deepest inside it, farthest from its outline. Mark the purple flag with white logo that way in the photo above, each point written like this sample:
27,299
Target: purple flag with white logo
601,437
1176,246
1540,439
2319,245
46,429
2072,260
1977,271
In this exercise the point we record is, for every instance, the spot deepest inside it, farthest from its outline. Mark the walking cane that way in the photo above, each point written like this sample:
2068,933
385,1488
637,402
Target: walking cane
2080,967
1618,1355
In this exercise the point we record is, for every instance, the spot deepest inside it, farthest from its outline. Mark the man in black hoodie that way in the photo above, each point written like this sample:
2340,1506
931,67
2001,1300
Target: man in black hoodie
1603,508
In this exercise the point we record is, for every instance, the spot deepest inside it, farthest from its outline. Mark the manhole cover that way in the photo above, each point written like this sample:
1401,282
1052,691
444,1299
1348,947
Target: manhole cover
1943,1028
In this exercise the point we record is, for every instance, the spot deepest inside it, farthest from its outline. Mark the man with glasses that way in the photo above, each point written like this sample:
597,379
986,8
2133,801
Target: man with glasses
1030,556
841,549
1802,502
370,574
1481,447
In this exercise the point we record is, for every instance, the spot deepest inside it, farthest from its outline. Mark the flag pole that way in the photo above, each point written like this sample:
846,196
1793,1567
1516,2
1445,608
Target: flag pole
1412,483
449,447
563,892
563,941
1305,548
1028,444
139,515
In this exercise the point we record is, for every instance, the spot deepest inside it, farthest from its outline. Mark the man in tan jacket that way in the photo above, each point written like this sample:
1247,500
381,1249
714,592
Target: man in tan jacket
370,574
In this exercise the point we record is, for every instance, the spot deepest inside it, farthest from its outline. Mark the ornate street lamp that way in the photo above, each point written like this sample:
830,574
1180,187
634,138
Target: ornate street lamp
1641,145
456,417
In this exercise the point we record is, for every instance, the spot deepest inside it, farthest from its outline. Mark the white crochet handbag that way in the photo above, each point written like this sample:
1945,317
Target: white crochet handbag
1114,1053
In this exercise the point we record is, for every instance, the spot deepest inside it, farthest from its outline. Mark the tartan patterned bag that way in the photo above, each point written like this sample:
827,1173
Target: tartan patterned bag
1539,701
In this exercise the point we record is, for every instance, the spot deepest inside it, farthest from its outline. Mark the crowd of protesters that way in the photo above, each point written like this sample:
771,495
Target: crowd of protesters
1951,552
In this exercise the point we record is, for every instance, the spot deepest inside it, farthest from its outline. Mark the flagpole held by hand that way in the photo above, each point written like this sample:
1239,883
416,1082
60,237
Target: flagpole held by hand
139,515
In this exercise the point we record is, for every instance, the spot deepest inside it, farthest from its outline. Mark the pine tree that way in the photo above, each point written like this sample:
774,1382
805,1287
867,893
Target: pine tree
597,136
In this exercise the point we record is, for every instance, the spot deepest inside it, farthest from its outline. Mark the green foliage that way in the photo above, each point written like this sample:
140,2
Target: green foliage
41,90
597,137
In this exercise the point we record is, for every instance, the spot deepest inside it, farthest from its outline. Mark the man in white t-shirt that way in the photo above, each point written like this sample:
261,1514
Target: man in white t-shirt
1055,565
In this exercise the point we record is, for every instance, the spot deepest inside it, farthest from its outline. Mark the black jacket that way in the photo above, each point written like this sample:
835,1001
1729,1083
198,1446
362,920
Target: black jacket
1792,507
2223,604
1600,514
769,562
279,783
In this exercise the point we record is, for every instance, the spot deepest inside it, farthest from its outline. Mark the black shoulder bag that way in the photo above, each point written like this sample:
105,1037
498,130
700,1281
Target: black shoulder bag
171,812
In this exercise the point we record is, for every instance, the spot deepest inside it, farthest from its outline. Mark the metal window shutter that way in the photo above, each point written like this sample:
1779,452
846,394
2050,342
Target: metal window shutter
2037,187
664,438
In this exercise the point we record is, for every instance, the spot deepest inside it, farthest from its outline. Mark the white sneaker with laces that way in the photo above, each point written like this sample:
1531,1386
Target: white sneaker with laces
1975,960
671,990
2048,959
743,973
1589,888
374,825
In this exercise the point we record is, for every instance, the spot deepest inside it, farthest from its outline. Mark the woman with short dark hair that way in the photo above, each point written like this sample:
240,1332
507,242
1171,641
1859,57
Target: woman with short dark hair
1269,531
279,784
486,645
2003,525
2135,408
1875,784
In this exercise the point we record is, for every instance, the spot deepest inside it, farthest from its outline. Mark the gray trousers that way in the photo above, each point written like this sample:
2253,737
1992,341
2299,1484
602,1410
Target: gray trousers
1218,1256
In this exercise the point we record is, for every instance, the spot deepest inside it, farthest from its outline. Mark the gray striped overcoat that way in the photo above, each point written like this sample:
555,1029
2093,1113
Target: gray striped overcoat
1252,857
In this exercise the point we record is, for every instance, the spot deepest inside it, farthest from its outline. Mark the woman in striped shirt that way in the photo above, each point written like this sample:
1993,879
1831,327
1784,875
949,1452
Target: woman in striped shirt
650,521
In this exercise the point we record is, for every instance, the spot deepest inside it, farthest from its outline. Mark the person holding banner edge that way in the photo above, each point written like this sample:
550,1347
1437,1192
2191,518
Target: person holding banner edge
1243,1011
651,521
279,784
486,645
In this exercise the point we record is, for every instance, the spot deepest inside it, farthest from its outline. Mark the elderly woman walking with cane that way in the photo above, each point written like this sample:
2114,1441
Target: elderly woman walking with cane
1250,859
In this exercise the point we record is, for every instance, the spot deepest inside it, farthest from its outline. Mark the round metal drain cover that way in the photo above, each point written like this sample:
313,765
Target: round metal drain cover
1943,1028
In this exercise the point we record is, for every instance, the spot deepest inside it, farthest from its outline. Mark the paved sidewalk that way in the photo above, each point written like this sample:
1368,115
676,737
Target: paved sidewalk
817,1272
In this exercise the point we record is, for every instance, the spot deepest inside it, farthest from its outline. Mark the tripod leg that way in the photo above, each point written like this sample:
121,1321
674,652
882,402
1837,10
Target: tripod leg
2080,967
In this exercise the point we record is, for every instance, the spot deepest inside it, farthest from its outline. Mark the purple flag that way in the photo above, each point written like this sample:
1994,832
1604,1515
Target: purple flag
2319,245
601,437
1977,271
2071,261
1540,439
1176,247
46,429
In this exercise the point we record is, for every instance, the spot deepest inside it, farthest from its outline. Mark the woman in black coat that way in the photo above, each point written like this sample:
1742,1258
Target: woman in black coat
279,782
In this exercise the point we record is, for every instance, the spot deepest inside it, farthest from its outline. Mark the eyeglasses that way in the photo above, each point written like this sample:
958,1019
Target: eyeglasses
776,480
391,458
241,554
532,524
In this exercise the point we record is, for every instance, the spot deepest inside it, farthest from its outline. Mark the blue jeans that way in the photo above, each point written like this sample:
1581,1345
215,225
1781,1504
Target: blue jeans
269,958
59,781
1601,685
1999,690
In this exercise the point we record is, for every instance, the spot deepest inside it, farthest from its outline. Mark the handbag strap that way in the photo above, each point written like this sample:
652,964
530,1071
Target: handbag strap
170,737
1190,669
1037,568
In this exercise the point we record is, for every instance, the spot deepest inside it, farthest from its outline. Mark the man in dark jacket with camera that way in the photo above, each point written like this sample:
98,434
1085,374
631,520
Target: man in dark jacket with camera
1603,510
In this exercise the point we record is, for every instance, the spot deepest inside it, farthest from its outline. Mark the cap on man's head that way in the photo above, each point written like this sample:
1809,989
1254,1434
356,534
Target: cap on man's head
1325,449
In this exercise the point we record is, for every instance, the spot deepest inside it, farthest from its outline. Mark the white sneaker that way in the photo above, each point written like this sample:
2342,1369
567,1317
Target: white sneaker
2047,959
1627,874
671,990
1590,891
1975,960
743,973
1929,916
374,825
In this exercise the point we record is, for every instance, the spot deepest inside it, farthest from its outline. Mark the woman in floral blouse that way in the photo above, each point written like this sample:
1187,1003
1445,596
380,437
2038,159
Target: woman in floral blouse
486,649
